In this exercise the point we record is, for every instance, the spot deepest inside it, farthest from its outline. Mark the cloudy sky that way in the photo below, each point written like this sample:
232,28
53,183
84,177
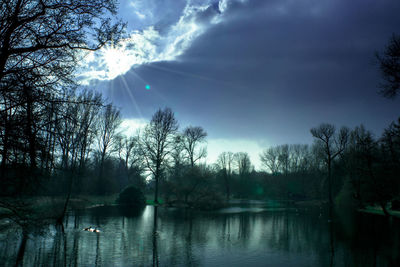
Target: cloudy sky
253,73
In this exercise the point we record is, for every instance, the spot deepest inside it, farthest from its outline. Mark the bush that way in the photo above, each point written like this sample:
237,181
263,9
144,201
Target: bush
131,196
396,204
345,196
210,201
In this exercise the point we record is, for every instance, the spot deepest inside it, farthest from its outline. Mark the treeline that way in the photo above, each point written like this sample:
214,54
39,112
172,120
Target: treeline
346,167
352,167
47,128
52,143
53,136
73,144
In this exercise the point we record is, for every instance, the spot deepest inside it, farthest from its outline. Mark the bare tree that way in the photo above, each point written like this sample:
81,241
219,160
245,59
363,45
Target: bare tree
41,42
271,159
90,104
299,158
178,156
225,163
391,141
389,64
109,121
242,162
286,158
192,137
66,128
131,163
45,36
332,145
128,150
157,143
364,159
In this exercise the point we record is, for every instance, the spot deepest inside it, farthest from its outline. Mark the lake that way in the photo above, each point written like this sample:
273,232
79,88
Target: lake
246,234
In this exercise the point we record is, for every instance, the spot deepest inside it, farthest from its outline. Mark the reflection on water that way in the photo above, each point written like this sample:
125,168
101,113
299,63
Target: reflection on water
186,238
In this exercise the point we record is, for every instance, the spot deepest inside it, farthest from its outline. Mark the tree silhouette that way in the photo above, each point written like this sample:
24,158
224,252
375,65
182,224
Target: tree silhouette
46,36
157,142
333,145
242,162
41,42
191,138
225,163
389,64
108,123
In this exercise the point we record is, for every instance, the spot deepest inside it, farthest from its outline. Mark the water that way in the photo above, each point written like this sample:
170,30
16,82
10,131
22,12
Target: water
250,235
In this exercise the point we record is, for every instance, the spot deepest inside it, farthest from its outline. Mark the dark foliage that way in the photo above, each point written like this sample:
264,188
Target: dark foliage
131,196
389,64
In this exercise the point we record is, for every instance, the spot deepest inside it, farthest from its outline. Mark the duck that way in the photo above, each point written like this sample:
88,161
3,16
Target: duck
91,229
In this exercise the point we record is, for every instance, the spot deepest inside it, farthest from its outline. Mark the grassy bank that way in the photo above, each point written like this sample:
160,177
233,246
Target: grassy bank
150,199
85,201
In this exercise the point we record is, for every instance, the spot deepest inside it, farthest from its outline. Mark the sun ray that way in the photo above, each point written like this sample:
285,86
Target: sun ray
128,91
187,74
138,76
153,90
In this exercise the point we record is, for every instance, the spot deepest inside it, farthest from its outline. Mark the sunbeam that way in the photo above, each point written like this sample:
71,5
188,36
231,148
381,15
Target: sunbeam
190,75
148,86
128,91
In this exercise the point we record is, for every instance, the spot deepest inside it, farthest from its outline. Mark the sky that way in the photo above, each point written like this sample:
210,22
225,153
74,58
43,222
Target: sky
252,73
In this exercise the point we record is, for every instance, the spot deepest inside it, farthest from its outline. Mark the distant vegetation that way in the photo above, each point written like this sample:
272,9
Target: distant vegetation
132,197
100,160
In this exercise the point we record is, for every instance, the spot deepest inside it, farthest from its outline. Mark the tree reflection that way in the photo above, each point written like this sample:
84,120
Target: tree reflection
332,244
155,252
189,238
21,250
75,250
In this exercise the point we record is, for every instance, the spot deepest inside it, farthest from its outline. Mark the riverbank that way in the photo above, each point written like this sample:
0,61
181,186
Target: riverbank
311,203
50,207
379,211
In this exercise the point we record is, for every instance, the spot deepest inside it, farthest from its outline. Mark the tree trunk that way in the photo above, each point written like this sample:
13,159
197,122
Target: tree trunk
4,154
156,189
60,219
227,186
330,189
21,250
330,183
101,183
29,131
385,211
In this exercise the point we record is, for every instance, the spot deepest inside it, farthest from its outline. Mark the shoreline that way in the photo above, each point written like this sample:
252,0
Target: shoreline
378,211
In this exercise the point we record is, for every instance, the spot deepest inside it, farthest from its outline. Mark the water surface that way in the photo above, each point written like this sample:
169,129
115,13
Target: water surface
243,235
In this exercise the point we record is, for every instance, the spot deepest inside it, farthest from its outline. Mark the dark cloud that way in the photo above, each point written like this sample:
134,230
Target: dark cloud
273,69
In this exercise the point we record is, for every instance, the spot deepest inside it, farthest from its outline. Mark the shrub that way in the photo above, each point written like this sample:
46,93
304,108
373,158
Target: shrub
345,197
396,204
131,196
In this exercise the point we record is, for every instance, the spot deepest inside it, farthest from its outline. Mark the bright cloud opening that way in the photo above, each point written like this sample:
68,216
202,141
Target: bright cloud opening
217,146
151,44
130,127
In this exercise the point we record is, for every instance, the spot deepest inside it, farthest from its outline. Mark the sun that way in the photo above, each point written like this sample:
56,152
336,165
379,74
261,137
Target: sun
117,61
